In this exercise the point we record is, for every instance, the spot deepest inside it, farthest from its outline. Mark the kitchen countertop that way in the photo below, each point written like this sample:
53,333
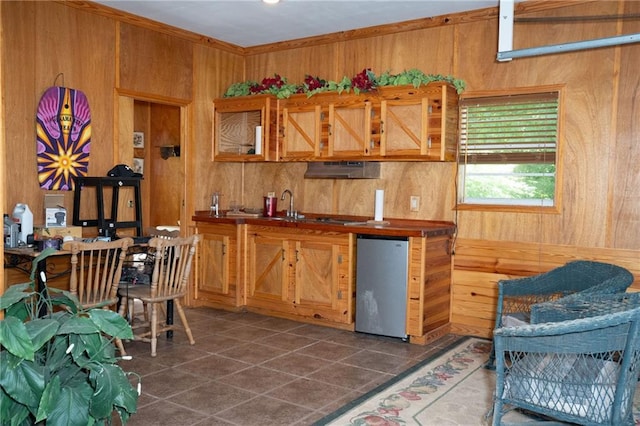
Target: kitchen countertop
339,223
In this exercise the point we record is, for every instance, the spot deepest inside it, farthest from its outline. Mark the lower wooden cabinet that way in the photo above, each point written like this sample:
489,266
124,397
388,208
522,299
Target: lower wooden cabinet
309,274
217,278
304,273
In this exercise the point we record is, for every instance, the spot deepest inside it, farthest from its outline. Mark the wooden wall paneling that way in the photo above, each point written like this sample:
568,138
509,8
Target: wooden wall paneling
155,63
294,64
19,103
214,71
473,302
429,50
623,221
164,177
262,178
37,53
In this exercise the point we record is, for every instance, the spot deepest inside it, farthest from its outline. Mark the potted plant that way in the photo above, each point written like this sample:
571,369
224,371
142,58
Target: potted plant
60,369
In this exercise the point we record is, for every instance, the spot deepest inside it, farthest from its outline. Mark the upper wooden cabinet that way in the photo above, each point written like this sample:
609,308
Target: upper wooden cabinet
326,126
304,134
400,123
245,128
419,123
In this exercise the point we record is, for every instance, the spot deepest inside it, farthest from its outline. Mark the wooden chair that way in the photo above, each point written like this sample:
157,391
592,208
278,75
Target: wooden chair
172,267
96,268
147,258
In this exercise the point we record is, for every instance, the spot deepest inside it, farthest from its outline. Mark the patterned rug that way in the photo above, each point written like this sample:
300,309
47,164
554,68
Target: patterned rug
451,388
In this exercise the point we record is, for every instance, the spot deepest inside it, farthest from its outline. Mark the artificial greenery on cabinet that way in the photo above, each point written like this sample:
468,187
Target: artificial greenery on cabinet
364,81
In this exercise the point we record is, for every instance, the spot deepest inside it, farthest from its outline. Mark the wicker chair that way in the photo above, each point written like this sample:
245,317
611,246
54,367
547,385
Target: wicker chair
516,296
582,371
172,267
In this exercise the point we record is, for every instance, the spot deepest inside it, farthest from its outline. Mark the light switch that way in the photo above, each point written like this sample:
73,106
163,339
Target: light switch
414,203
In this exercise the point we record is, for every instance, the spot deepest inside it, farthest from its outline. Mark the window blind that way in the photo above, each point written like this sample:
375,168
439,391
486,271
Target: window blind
516,129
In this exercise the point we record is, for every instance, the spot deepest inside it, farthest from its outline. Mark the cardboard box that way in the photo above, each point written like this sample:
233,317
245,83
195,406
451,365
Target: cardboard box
42,232
55,215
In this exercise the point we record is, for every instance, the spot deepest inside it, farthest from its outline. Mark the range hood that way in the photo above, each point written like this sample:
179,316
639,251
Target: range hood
343,170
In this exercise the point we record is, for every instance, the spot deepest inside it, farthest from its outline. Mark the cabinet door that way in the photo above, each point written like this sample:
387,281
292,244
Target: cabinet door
268,272
349,130
404,132
216,279
301,137
323,280
245,128
419,123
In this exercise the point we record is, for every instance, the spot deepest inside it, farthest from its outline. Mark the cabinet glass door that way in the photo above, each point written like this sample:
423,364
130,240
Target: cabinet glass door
236,132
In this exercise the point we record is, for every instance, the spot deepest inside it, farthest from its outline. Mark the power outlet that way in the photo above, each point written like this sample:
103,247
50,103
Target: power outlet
414,203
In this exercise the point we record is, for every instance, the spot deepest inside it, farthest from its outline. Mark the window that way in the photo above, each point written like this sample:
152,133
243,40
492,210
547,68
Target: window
508,150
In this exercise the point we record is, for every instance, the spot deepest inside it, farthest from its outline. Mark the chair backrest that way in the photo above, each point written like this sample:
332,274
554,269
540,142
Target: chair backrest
572,277
96,268
172,266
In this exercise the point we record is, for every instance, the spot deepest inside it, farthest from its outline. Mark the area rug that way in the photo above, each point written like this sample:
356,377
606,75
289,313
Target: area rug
450,388
438,391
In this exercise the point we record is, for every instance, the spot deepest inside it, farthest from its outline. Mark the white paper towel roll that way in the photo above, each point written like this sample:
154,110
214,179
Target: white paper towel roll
258,141
377,215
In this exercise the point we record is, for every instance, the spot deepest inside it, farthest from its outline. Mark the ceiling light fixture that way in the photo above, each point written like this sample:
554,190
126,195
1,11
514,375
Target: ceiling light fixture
271,1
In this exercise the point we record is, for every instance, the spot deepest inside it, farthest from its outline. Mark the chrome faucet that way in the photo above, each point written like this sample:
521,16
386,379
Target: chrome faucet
291,212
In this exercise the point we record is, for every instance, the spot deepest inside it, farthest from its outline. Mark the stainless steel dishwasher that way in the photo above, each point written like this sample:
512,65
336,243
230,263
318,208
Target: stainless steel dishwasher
381,285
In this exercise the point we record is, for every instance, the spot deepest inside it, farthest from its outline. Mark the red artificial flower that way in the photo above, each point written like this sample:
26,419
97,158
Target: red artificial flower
361,81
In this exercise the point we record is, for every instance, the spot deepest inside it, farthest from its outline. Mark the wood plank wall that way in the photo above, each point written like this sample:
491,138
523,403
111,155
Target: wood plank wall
112,53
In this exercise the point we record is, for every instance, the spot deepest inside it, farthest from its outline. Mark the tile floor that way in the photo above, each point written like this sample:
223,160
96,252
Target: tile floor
249,369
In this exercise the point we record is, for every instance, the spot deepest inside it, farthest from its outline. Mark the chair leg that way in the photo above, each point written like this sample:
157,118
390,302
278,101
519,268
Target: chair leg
154,327
120,347
183,318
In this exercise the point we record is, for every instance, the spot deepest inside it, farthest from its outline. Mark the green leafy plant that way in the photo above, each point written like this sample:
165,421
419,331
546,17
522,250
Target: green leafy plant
60,369
364,81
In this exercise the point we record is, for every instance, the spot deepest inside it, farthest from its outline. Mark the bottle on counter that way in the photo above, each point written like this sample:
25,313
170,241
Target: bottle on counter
23,216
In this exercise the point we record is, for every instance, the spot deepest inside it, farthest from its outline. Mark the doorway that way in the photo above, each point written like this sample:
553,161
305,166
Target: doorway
158,153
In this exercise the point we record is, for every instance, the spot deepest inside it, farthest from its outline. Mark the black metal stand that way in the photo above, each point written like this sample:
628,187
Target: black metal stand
108,226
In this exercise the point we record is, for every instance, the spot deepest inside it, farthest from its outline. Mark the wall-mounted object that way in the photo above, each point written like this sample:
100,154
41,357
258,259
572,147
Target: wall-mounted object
343,170
63,131
169,151
505,35
138,139
138,165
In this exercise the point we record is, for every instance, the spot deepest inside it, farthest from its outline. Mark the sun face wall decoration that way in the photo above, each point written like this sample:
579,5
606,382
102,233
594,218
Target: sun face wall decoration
63,137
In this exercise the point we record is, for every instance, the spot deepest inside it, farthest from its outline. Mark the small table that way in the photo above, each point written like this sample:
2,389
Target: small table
21,256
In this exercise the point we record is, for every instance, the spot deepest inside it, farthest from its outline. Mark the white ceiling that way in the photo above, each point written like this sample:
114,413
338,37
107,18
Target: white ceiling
248,23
